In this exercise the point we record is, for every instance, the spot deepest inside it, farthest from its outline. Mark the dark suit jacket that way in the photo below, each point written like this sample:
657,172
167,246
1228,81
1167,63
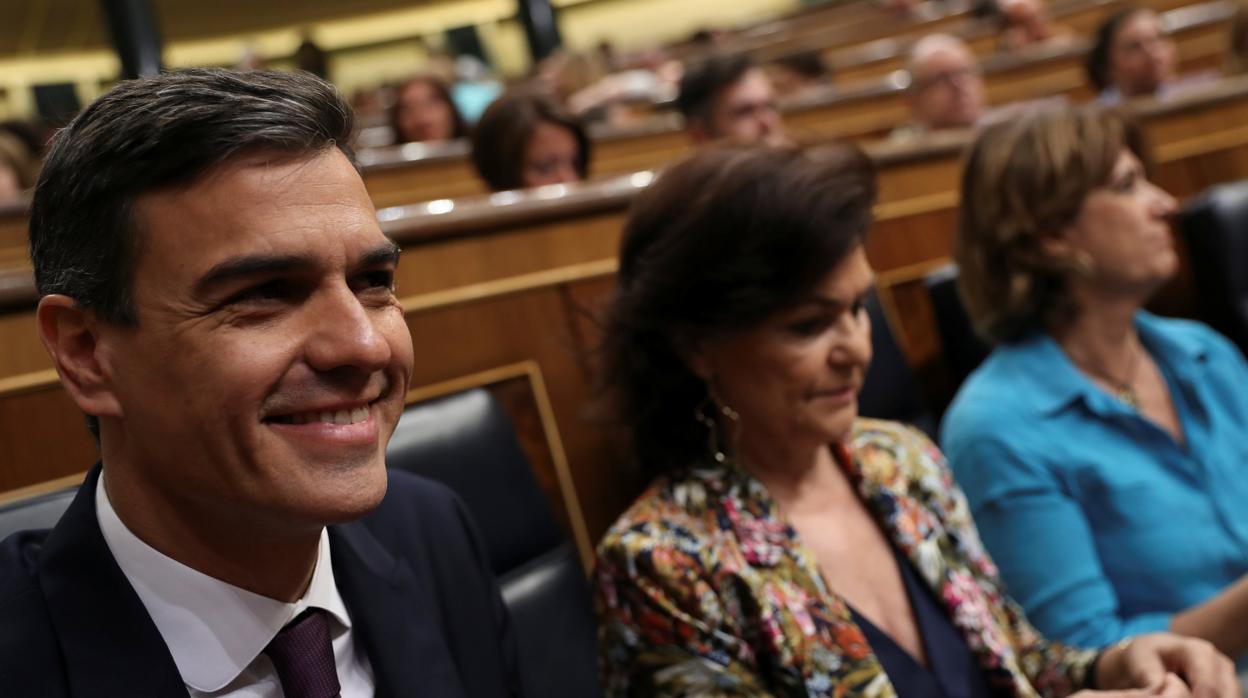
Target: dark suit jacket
413,575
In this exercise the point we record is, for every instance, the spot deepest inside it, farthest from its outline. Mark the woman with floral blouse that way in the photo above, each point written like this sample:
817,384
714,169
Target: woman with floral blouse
787,547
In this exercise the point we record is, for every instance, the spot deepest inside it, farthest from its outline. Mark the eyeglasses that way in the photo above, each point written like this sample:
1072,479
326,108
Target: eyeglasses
949,78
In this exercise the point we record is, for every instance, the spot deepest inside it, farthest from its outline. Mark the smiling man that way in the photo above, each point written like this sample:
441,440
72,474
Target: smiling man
218,298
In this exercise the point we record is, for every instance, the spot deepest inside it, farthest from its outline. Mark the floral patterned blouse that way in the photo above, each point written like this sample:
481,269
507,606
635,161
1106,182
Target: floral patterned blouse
702,587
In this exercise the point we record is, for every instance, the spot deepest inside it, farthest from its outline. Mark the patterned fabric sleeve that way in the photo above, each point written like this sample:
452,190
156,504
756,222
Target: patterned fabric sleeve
663,629
1054,669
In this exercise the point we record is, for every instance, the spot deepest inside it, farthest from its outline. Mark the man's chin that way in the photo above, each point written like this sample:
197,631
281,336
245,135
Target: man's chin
352,498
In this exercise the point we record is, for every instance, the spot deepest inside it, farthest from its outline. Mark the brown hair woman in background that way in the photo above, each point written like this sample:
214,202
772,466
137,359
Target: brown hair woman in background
424,112
526,139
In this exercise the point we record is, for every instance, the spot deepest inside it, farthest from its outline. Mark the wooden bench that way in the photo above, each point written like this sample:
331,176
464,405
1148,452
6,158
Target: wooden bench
868,110
884,56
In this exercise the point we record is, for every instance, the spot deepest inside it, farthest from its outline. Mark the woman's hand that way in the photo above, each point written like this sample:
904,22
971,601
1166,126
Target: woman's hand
1170,687
1149,661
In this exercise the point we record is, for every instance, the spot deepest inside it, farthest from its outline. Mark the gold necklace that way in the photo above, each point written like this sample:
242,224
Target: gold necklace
1123,391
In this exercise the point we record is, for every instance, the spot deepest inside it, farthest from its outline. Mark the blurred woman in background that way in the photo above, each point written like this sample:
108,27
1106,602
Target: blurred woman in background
526,139
424,112
1101,447
1131,56
787,547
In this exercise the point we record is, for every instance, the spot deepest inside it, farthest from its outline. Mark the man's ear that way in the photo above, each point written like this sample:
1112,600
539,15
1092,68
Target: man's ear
70,333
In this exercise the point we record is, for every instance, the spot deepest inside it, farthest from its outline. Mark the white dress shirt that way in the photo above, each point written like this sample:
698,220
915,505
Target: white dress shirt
216,631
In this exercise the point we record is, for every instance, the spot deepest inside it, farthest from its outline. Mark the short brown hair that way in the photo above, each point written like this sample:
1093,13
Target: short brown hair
1023,181
503,133
705,78
719,244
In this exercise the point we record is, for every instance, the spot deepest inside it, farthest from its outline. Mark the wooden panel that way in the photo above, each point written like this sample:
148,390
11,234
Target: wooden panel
42,433
442,178
13,228
20,349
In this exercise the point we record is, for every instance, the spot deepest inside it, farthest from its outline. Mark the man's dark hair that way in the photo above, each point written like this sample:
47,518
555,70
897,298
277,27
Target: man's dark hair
718,245
705,78
502,135
150,134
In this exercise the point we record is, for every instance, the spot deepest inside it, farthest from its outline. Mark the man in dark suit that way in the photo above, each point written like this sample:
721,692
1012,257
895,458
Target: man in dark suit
219,300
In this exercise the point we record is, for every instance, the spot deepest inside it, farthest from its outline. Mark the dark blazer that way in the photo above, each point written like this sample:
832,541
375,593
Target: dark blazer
413,575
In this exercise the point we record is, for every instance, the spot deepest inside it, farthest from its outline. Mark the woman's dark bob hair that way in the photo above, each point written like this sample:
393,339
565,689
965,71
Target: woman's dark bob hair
459,127
503,133
1097,62
718,244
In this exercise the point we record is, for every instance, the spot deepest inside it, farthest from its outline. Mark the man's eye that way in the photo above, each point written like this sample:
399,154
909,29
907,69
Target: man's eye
268,291
377,279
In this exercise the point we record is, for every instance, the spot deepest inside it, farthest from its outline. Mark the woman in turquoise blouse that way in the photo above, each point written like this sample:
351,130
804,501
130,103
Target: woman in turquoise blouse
1101,447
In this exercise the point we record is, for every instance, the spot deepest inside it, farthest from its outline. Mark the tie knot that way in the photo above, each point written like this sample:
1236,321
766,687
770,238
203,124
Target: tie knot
303,655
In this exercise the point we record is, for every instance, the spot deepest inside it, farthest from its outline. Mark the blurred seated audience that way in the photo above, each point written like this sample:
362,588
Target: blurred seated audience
1131,56
310,57
787,547
799,74
1101,447
18,167
1026,23
526,139
424,112
726,96
473,88
946,87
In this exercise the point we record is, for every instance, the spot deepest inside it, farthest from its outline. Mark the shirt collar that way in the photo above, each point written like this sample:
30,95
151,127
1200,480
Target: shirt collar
1052,381
213,629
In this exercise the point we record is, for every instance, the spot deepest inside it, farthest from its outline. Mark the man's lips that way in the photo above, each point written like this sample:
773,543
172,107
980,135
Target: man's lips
352,426
332,415
322,406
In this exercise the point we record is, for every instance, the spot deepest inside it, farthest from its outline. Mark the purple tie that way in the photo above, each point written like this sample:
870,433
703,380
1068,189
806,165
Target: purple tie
303,655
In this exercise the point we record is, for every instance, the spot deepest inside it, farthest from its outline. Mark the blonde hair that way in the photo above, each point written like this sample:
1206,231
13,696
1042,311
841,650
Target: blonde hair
1023,182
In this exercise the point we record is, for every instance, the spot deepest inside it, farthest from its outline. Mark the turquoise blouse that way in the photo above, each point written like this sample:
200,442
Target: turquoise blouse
1102,524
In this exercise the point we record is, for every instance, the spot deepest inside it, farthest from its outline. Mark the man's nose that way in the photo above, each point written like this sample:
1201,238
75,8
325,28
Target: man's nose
344,332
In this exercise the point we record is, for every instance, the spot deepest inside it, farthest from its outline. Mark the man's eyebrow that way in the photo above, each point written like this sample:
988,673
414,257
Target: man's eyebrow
260,265
247,266
383,254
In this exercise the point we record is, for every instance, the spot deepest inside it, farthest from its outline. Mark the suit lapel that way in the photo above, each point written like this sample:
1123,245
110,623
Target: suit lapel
764,539
916,529
110,645
395,616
